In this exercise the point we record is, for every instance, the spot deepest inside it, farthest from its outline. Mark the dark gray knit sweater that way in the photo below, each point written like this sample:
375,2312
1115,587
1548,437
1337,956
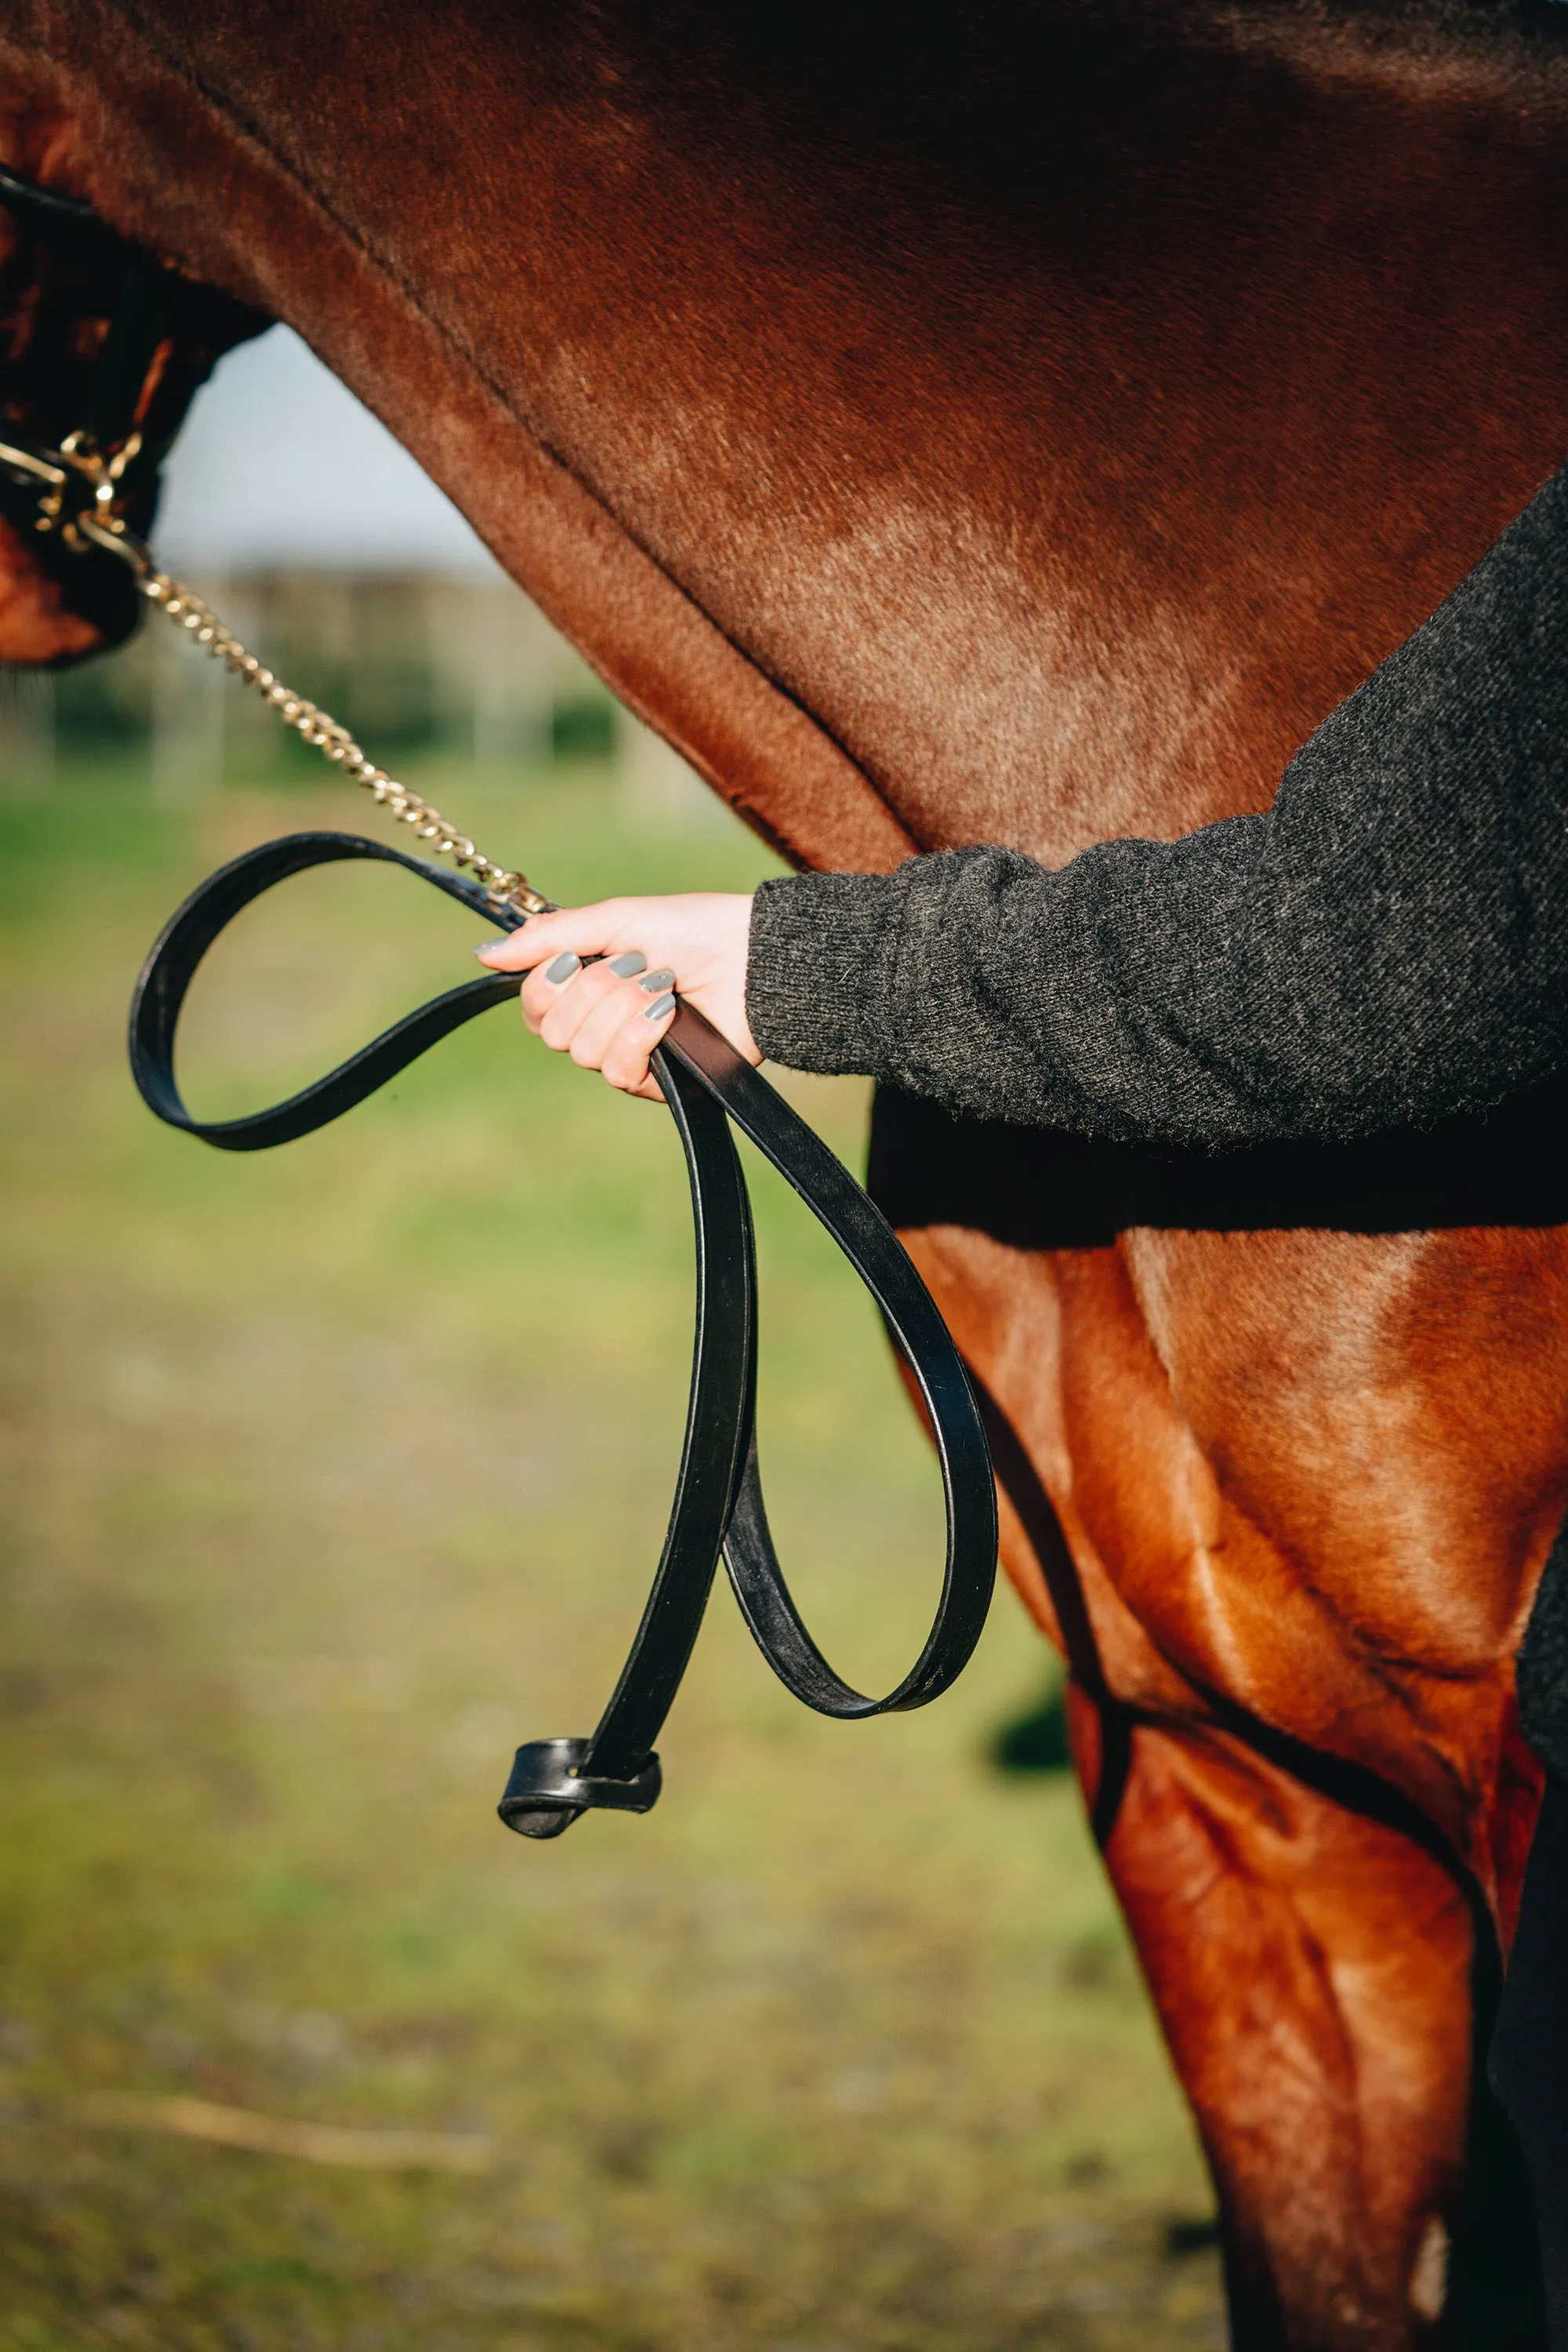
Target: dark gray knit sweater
1386,946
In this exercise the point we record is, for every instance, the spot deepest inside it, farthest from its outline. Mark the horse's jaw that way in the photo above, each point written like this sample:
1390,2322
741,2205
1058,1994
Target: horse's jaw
72,294
37,628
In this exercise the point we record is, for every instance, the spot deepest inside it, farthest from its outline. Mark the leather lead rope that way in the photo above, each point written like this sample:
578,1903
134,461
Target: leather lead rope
83,496
718,1510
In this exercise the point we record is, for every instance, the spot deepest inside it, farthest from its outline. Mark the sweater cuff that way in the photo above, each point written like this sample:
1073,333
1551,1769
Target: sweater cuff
820,969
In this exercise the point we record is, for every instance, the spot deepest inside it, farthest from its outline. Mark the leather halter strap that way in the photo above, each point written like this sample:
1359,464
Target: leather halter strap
718,1509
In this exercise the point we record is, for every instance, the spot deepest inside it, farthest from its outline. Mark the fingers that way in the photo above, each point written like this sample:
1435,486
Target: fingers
608,1016
558,996
626,1058
579,956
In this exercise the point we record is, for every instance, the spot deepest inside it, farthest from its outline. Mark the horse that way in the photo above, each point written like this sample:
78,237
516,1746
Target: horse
1024,424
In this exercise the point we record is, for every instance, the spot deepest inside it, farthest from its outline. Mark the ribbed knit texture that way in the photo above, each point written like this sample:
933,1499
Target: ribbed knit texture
1387,946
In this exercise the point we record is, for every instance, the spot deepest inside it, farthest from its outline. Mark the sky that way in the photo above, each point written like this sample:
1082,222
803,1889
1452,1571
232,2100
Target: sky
277,464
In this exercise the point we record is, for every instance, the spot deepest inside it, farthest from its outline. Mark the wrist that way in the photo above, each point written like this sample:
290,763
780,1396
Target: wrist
821,955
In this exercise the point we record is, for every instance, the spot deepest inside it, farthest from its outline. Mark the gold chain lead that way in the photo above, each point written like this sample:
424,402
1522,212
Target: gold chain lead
327,735
317,727
104,526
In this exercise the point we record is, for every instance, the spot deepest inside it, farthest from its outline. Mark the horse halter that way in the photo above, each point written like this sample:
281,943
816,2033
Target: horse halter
163,334
718,1509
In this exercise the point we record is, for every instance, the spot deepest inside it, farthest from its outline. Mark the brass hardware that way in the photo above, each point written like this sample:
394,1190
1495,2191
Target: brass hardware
30,462
78,455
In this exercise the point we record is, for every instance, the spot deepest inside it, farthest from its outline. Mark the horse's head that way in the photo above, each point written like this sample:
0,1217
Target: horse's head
101,348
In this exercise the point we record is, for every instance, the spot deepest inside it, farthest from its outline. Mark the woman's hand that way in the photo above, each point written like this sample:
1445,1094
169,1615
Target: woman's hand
609,1017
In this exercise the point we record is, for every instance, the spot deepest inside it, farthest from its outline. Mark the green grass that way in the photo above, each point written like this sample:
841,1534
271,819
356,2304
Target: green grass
332,1474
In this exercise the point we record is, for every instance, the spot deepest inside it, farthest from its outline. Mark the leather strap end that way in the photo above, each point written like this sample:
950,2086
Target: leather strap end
549,1791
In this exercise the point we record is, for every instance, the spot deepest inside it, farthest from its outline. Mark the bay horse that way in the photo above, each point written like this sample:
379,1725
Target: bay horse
1024,424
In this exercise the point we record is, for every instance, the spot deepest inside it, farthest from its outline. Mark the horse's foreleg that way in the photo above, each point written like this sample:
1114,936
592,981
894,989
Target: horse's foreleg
1229,1487
1312,1971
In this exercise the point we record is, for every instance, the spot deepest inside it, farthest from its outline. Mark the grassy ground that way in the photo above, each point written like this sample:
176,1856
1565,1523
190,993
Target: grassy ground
332,1474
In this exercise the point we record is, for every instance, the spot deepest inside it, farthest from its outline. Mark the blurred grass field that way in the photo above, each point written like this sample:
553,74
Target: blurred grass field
332,1474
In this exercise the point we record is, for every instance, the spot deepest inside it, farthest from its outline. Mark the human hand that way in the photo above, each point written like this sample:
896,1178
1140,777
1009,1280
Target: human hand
610,1015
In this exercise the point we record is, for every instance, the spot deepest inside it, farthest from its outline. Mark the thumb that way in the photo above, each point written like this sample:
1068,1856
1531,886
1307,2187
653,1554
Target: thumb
576,930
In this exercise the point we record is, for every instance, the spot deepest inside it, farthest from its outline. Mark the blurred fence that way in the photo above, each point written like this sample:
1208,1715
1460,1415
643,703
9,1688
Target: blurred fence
336,1470
416,663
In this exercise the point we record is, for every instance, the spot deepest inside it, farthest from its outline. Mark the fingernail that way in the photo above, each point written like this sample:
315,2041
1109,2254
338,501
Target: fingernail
487,947
657,980
563,968
627,966
660,1007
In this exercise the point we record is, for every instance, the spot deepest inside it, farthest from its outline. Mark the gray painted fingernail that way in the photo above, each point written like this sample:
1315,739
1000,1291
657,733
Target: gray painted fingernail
660,1007
627,966
563,968
487,947
656,981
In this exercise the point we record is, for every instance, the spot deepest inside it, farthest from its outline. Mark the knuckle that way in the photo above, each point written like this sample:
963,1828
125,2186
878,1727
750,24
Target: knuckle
622,1062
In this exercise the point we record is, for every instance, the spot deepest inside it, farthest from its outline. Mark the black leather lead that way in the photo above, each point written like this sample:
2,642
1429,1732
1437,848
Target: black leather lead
718,1509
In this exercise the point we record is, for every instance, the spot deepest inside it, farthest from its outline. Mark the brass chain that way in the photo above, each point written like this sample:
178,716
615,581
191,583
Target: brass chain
331,738
315,725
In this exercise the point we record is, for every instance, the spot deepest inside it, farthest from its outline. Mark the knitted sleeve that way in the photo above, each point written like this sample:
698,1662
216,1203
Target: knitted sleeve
1388,945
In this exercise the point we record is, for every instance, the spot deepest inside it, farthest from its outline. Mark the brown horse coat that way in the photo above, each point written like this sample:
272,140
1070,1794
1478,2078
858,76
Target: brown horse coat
1025,426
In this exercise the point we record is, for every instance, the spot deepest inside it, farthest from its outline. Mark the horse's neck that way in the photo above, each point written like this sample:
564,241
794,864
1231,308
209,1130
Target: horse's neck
1036,460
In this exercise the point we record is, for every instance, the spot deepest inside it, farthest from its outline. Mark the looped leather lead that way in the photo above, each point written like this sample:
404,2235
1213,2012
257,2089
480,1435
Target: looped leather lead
718,1509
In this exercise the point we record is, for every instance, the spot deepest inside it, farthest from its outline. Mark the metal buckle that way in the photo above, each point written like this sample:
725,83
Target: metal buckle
74,488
